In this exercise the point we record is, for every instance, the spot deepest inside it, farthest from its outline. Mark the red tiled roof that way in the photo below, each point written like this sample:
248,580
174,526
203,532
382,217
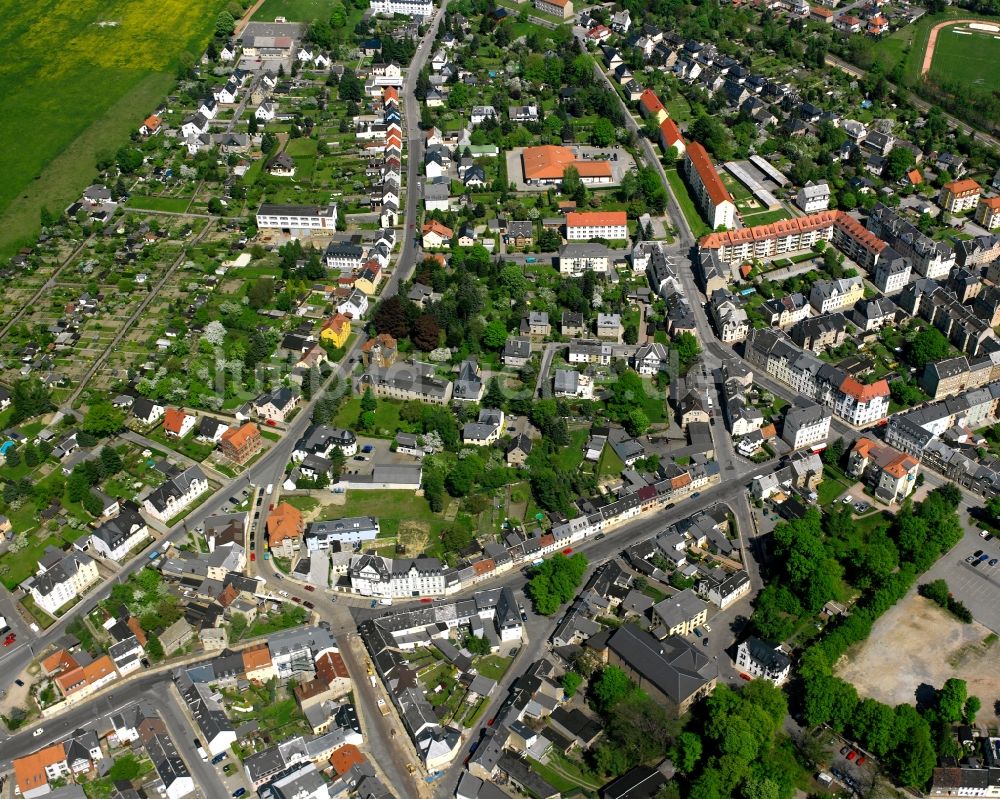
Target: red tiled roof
596,218
346,758
853,228
173,419
436,227
964,186
774,230
864,392
702,164
670,132
993,203
650,102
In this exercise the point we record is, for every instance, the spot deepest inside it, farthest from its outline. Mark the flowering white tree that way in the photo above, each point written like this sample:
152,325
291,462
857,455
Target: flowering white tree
214,333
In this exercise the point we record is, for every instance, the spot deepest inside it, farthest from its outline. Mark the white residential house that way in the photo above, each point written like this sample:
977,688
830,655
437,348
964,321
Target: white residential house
265,112
61,578
355,306
759,659
651,359
486,430
118,536
813,197
176,494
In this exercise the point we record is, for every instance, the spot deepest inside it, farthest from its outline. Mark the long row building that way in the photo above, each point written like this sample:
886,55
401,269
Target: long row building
857,403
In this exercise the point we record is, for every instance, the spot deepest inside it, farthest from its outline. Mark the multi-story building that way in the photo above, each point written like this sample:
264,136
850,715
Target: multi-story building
558,8
586,225
61,578
830,296
988,212
118,536
373,575
960,196
761,660
486,430
242,443
322,440
786,311
912,431
806,424
349,530
583,350
731,321
713,198
276,405
284,530
813,197
819,333
297,220
892,272
679,614
407,8
891,474
772,240
860,245
176,494
407,381
929,258
855,402
577,258
954,375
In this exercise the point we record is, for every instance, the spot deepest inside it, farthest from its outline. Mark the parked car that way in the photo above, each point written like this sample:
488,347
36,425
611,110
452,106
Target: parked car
310,588
308,604
993,562
38,732
11,638
698,633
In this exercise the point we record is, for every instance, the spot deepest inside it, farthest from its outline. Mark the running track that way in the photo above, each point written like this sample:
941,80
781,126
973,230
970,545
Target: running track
932,39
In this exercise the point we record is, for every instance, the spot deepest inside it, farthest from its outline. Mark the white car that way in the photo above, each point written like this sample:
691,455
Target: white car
984,534
706,628
847,500
38,732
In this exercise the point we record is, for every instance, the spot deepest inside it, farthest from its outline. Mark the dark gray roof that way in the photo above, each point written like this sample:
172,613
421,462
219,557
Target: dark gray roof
674,666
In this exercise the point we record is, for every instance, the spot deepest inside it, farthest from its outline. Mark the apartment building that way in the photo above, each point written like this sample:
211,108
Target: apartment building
577,258
240,444
407,381
761,660
892,272
116,537
558,8
830,296
297,220
855,402
929,258
813,197
350,530
679,614
373,575
587,225
770,241
954,375
61,577
406,8
891,474
988,212
960,196
806,424
714,200
176,494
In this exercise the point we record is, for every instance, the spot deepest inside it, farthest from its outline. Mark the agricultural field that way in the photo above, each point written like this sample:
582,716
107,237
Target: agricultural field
85,75
969,56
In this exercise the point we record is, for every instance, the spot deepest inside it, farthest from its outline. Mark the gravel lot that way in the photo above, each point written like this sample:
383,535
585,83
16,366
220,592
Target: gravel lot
916,643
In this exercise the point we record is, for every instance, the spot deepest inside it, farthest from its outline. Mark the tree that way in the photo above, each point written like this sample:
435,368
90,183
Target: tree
951,700
426,332
103,419
555,581
29,398
686,752
832,454
687,348
92,504
571,682
495,335
636,423
928,345
462,476
610,688
477,645
602,133
972,706
391,317
13,457
368,401
154,648
260,292
898,162
77,486
494,396
225,24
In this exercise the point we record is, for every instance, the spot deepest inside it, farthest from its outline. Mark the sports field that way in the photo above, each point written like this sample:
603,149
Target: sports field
78,77
969,56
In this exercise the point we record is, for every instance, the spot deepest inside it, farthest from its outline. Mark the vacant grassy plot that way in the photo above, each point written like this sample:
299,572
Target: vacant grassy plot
85,74
293,10
698,225
177,205
390,507
766,217
970,58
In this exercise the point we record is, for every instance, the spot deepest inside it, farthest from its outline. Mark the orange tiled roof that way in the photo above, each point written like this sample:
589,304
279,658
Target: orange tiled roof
596,218
284,522
853,228
336,323
346,758
133,624
29,771
256,657
915,177
152,122
650,102
173,419
702,164
390,93
864,392
483,566
239,436
964,186
993,203
774,230
330,667
819,11
59,661
76,679
671,133
434,226
382,339
549,162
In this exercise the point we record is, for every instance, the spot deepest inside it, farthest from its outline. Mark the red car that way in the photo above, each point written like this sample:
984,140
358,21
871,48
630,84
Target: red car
568,551
297,600
310,588
746,677
9,639
851,755
426,600
861,760
271,423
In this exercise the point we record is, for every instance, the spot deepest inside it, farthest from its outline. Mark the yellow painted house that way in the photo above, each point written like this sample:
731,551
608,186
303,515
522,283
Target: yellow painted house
336,330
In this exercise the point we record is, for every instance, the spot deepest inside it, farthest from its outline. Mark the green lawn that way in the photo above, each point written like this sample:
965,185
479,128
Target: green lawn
766,218
293,10
76,90
698,225
610,465
390,507
387,421
493,666
177,205
972,59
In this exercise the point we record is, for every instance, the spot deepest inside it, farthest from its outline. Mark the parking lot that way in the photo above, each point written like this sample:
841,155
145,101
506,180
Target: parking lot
977,586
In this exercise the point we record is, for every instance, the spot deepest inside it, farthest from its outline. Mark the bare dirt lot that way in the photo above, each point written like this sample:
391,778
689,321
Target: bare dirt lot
917,643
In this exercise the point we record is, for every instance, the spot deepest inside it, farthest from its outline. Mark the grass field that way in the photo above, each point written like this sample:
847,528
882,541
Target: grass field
76,88
177,205
974,59
293,10
698,225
